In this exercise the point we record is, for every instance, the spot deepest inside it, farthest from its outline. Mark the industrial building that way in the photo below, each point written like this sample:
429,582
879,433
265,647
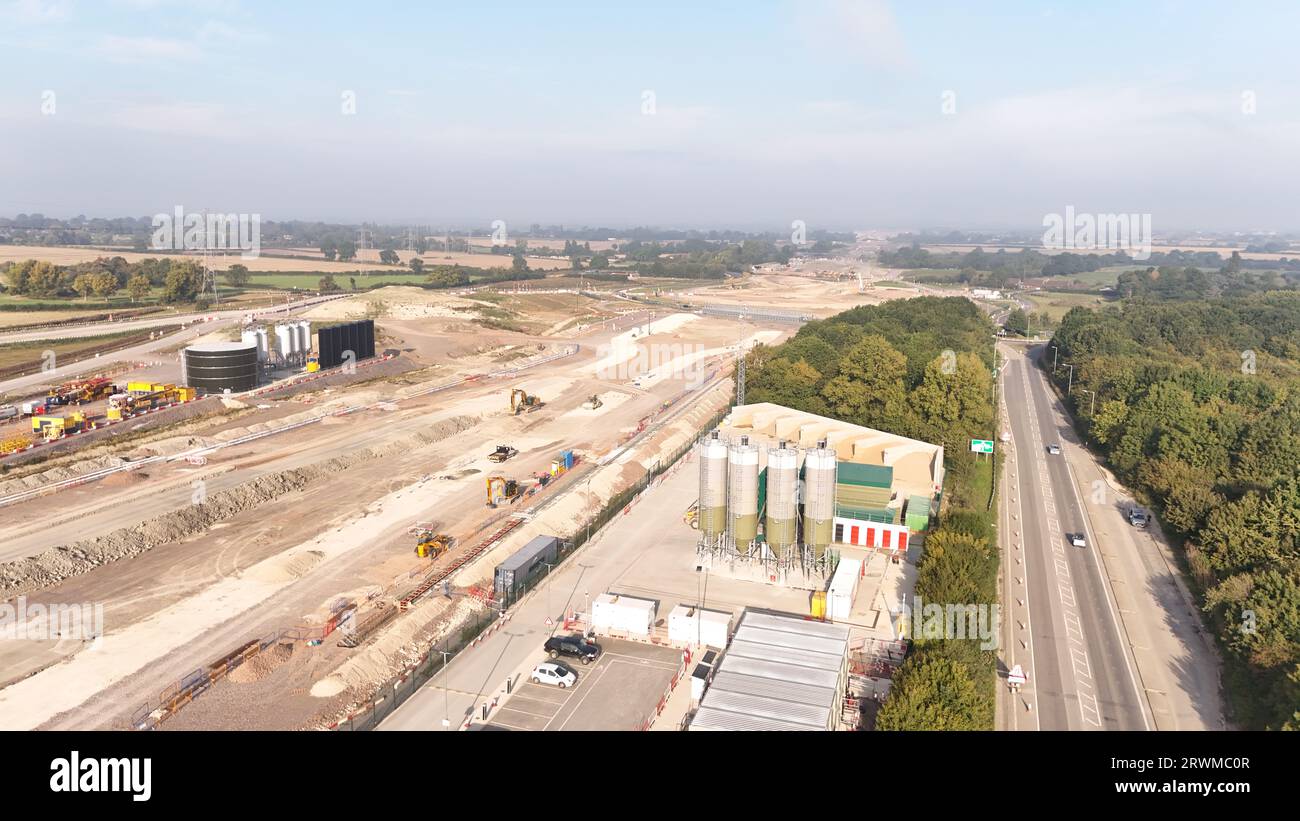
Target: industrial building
336,341
781,488
780,672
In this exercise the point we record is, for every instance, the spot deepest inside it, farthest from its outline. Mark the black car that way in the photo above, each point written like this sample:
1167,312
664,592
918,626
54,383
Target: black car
576,646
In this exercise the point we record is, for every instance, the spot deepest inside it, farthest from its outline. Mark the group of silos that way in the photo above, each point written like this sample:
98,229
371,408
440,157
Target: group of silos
732,494
292,343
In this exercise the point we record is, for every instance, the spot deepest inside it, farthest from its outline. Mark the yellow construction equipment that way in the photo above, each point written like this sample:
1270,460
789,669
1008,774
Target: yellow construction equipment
500,489
14,444
692,516
521,401
431,545
137,398
56,427
593,403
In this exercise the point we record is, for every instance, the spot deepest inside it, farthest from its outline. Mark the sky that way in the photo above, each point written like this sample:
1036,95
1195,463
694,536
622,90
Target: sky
842,113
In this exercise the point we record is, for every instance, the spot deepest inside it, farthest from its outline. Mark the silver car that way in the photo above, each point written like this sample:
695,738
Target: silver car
1055,450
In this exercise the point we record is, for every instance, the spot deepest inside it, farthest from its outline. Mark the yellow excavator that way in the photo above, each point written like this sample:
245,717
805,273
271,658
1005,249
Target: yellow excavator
500,489
521,400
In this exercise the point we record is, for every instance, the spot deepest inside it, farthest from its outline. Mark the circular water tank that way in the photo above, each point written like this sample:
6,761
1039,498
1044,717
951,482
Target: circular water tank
218,366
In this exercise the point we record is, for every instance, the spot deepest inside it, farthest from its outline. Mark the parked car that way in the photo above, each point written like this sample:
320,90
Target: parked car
1138,517
555,674
1055,450
575,646
1078,540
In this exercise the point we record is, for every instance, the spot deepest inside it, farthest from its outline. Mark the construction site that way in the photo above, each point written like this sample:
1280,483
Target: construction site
271,531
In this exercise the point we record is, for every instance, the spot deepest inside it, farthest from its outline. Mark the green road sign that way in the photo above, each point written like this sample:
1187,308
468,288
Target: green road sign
981,446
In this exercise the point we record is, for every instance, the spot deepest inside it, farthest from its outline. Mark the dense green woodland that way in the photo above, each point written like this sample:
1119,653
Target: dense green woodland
921,368
1198,410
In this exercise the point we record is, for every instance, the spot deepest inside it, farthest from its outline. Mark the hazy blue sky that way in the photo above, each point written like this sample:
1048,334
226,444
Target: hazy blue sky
830,111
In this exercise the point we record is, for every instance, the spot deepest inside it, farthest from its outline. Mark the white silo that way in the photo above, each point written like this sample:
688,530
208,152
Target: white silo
781,522
819,466
712,516
284,339
263,345
249,336
304,338
742,494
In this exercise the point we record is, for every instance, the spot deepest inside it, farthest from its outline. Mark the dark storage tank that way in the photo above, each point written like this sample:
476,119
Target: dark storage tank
220,366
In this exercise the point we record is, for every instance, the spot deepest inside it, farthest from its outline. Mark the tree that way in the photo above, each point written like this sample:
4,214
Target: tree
1018,322
389,257
955,396
347,250
598,261
327,285
519,264
329,248
934,693
138,287
103,284
417,265
83,284
182,282
869,389
237,276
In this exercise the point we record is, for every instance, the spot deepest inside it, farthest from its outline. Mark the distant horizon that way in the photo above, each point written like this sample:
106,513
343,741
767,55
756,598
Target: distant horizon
839,113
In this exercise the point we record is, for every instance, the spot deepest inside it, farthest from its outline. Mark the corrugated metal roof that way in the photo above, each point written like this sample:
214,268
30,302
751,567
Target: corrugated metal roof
770,687
780,638
779,673
709,719
805,627
813,717
855,473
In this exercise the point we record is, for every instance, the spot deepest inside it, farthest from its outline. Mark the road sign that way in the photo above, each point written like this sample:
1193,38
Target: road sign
981,446
1017,675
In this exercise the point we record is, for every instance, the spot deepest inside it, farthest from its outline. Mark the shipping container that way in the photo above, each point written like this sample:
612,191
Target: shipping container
526,564
624,614
693,626
843,588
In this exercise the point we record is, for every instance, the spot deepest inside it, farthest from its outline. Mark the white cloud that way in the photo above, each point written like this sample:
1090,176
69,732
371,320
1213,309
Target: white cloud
861,30
34,11
121,49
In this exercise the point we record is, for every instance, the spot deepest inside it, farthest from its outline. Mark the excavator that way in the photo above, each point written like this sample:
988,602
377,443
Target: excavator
521,400
593,403
500,489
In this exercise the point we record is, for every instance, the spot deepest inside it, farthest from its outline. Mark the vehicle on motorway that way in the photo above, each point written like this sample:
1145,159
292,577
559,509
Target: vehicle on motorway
575,646
552,673
1078,539
1138,517
1055,450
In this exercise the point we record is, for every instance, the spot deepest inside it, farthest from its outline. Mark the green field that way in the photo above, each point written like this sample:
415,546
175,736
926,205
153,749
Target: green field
1057,303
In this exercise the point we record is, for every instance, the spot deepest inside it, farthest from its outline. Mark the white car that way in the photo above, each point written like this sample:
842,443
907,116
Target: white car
1055,450
1078,540
551,673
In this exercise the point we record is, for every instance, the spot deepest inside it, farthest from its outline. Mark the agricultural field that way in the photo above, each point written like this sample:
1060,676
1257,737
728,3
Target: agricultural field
1057,303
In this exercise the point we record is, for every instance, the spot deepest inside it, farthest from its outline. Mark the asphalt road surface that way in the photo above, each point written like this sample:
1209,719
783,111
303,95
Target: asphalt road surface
1107,633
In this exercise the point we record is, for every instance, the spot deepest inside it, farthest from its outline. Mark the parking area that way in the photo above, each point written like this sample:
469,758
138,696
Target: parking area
616,692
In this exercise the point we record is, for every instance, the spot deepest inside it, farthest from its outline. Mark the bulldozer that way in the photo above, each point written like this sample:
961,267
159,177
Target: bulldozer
500,489
430,544
593,403
521,400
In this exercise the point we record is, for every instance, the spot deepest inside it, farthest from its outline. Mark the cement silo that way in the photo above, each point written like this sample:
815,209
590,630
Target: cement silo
819,498
742,494
781,521
304,337
249,337
263,345
712,515
286,341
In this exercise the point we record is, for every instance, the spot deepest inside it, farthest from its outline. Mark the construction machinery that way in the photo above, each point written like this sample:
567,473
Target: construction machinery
500,489
80,391
137,399
502,453
592,403
429,544
13,444
56,427
692,516
521,400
